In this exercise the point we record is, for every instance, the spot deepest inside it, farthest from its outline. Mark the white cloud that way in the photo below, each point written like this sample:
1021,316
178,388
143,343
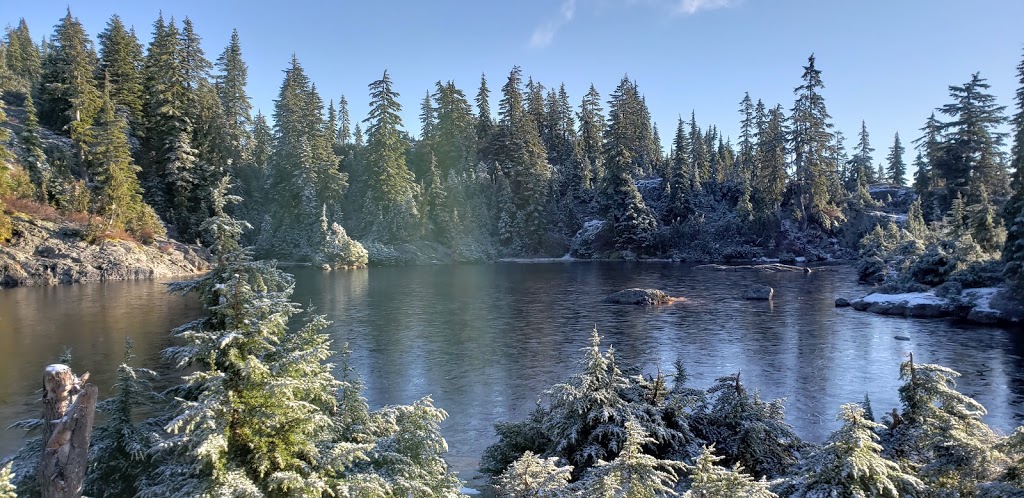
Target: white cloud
545,33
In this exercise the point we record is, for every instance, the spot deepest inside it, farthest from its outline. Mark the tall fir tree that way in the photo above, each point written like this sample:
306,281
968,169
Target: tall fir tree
232,77
769,186
1013,248
748,139
591,131
861,172
699,157
120,63
971,151
679,183
896,171
23,59
344,123
810,141
391,211
69,96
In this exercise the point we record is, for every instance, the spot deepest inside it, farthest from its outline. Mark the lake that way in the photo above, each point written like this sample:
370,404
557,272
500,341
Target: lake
486,340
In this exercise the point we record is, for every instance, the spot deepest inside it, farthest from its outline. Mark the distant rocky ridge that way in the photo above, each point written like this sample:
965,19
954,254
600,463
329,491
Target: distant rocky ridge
54,253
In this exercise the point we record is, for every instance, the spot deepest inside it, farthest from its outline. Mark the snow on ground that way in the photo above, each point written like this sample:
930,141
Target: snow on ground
469,491
908,298
982,298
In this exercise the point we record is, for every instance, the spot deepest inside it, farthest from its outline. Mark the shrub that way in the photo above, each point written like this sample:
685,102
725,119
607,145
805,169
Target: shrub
341,250
32,208
6,228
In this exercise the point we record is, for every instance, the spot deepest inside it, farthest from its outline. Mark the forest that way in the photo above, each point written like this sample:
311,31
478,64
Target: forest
141,142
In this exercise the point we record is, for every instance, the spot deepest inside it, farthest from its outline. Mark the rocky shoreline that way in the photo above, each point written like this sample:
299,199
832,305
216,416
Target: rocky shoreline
987,306
55,253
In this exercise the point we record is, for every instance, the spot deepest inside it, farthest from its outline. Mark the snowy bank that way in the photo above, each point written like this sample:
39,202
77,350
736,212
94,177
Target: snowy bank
983,305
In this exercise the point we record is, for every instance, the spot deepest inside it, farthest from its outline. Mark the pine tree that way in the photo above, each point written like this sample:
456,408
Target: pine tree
897,169
633,223
390,203
534,477
748,139
972,154
34,159
70,99
344,123
771,177
23,58
810,141
746,430
942,431
454,137
709,480
680,188
234,102
699,160
119,450
110,160
956,218
860,163
484,124
632,474
986,226
1013,248
120,63
591,131
524,162
915,220
851,464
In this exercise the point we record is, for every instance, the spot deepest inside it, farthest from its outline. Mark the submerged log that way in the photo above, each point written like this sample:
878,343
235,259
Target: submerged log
770,268
69,407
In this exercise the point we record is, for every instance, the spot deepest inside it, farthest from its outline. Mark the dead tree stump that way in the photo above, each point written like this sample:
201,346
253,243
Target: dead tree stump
69,406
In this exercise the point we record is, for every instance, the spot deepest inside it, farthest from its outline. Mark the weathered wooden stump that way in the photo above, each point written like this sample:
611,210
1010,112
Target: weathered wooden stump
69,406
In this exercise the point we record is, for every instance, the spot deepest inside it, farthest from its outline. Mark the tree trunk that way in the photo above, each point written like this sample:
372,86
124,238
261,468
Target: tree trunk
69,406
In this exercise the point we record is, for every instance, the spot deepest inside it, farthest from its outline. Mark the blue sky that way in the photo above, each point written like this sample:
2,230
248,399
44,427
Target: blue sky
888,62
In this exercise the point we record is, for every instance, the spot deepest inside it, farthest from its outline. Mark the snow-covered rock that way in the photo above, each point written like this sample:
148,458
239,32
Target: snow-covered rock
975,305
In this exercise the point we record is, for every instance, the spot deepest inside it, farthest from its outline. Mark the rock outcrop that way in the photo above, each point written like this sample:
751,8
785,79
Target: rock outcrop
985,305
642,297
50,253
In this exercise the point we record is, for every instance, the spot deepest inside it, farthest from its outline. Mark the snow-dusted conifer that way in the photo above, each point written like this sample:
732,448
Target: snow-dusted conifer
632,474
534,477
709,480
850,464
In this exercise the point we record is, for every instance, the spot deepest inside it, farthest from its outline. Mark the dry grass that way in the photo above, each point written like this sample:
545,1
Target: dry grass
32,208
118,234
81,218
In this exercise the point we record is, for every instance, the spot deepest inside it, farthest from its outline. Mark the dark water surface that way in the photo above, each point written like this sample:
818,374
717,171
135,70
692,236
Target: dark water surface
485,340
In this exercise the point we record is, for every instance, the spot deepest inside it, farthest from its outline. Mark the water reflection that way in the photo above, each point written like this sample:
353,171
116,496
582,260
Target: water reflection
486,340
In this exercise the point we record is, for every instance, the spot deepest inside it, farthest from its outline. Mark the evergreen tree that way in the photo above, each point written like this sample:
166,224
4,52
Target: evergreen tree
942,431
534,477
972,154
627,130
70,99
633,223
591,131
1013,248
680,188
119,450
34,159
709,480
810,141
120,196
699,160
484,123
770,178
344,123
23,59
390,207
234,102
632,474
851,464
748,138
454,137
524,162
860,164
915,220
120,63
956,218
922,180
746,430
986,226
897,170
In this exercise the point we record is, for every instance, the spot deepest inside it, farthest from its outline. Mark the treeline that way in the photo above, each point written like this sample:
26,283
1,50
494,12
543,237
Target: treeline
522,183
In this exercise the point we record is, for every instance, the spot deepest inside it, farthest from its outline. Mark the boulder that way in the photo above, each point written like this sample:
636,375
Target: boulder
842,303
759,292
642,297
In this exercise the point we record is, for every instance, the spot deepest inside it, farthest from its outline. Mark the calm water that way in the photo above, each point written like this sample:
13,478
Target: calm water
485,340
